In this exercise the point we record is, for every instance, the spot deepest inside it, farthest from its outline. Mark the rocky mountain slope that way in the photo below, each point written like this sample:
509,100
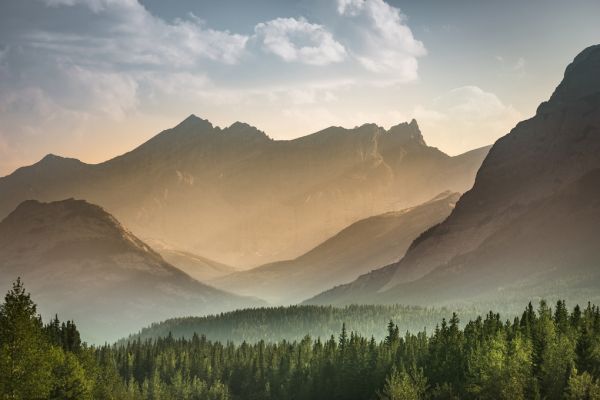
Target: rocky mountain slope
77,260
531,223
363,246
238,197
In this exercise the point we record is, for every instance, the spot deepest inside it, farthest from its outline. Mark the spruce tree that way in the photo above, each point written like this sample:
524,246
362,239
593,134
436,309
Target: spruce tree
25,357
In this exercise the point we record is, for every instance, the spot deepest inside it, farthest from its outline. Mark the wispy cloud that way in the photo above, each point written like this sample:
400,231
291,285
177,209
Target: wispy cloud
126,33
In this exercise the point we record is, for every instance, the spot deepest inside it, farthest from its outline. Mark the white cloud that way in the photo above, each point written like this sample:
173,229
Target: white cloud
350,6
106,70
298,40
126,33
383,43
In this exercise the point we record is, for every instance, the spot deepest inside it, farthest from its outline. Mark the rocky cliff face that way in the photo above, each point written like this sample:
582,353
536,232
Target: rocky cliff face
518,224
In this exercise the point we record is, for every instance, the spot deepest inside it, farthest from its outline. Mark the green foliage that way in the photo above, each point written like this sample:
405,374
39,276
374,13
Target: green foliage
404,386
583,387
70,381
273,324
544,354
26,358
44,362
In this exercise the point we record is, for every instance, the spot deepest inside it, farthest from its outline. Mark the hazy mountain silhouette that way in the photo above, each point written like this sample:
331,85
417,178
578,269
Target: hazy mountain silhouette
531,223
196,266
77,260
363,246
238,197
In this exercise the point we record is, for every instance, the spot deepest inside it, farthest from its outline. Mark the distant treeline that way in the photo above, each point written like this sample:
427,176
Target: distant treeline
295,322
548,353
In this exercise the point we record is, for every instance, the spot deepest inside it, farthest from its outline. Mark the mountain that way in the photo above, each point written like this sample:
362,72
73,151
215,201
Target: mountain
530,225
77,260
363,246
196,266
238,197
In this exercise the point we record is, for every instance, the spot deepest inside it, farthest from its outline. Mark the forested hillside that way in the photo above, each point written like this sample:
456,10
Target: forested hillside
273,324
550,353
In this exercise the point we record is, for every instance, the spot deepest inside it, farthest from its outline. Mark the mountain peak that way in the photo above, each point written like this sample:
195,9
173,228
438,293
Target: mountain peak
67,219
83,260
369,126
581,78
54,159
244,129
241,125
51,157
408,131
194,122
53,210
54,162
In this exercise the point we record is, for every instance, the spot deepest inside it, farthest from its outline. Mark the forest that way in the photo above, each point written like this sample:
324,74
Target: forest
273,324
545,353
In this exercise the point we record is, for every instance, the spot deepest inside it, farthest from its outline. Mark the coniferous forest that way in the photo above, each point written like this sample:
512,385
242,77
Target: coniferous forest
546,353
274,324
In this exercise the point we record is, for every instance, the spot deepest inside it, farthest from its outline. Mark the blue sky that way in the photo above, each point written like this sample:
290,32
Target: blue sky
94,78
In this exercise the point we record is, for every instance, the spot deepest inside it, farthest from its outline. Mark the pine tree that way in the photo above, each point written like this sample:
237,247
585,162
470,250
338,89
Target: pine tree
401,385
25,357
69,380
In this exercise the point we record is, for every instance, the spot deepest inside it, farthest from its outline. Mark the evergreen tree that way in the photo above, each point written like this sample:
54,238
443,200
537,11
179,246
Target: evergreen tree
25,357
400,385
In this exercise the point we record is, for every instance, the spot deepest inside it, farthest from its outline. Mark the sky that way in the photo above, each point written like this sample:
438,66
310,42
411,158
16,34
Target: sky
92,79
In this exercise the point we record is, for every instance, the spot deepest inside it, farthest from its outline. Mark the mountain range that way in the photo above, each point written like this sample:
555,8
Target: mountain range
363,246
79,261
528,228
236,196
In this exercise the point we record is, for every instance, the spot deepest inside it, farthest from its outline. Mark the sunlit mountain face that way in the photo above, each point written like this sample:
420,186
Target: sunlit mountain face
309,199
240,198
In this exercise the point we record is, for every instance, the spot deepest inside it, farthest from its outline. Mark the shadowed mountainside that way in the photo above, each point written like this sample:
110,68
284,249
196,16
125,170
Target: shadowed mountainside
531,223
78,260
